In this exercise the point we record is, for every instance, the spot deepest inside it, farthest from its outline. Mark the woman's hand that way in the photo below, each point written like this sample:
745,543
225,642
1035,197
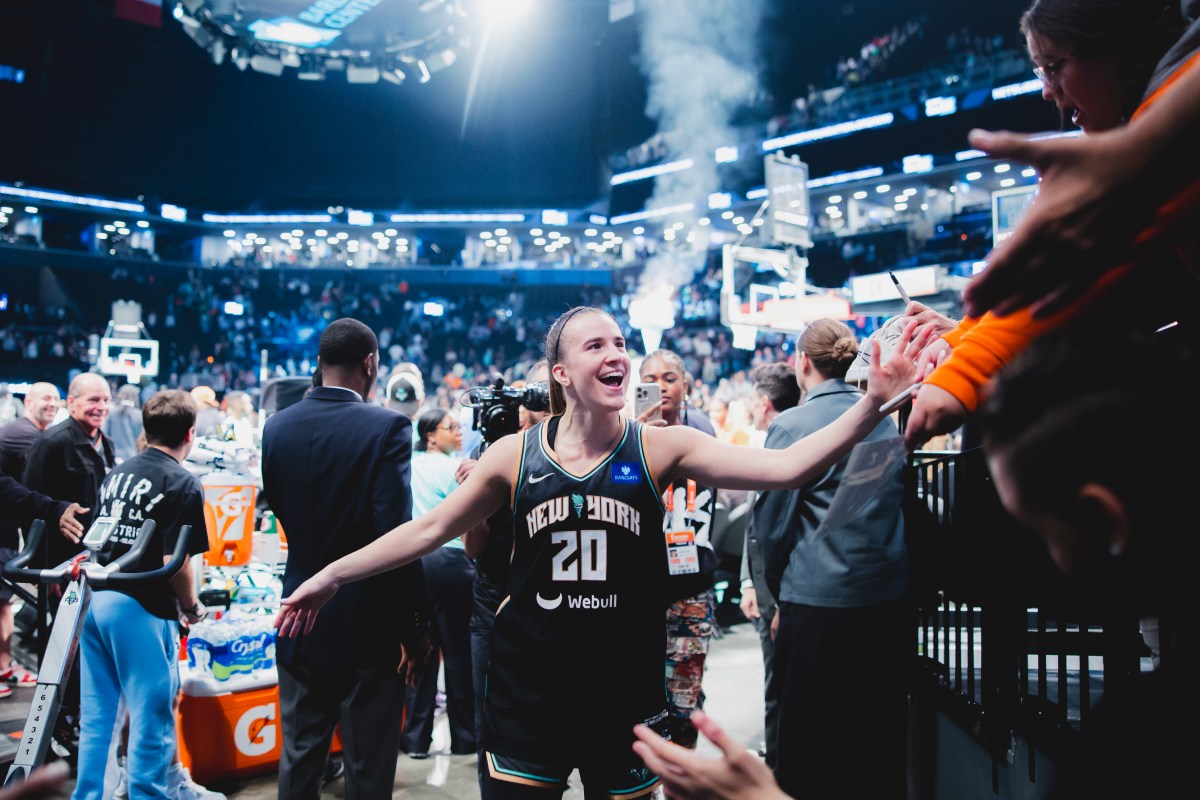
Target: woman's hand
43,782
652,416
932,356
737,775
926,317
298,611
465,467
886,378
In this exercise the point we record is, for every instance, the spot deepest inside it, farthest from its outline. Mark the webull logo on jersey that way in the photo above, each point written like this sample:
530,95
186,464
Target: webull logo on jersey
626,472
597,507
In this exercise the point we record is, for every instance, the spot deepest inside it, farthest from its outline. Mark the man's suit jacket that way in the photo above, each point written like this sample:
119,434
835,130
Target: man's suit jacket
18,503
336,475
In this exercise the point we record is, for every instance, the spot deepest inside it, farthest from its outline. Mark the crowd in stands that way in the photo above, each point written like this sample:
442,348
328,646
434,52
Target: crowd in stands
884,58
872,59
482,334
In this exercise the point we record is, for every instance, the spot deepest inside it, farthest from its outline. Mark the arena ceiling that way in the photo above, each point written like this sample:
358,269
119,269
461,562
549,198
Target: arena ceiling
116,108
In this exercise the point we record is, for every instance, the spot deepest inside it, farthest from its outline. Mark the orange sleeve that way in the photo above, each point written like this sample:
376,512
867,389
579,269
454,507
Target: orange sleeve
982,349
964,325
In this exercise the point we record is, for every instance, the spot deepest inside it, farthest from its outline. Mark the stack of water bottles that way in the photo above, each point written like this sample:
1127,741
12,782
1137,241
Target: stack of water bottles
230,654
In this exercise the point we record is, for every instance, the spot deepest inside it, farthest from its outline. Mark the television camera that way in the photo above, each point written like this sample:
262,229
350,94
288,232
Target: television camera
497,407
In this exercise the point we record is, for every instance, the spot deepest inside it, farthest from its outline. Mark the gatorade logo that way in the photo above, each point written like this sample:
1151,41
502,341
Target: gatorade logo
230,507
254,734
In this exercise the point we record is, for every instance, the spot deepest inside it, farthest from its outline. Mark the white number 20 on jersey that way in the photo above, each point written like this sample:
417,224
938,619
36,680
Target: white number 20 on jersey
583,557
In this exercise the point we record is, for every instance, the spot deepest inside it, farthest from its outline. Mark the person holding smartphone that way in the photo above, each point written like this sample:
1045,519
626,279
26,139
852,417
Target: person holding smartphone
690,621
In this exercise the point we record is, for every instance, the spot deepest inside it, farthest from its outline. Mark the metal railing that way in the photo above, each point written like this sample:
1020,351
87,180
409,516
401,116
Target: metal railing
1006,644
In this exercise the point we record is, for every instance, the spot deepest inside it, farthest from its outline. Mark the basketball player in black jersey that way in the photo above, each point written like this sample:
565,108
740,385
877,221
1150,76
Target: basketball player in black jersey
582,621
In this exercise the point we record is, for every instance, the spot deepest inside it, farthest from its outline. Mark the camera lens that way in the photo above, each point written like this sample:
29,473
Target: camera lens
499,420
537,397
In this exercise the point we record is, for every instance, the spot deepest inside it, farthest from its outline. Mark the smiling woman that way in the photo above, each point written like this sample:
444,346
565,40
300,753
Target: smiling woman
589,580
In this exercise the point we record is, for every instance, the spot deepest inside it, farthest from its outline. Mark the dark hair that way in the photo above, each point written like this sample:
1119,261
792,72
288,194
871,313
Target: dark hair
1060,412
167,417
777,382
552,349
1135,33
672,358
346,342
830,345
428,422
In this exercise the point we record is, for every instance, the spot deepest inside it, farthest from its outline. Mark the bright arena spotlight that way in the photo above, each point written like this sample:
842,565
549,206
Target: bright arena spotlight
502,12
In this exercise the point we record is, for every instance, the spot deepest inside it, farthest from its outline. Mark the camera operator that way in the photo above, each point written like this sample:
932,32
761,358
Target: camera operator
491,559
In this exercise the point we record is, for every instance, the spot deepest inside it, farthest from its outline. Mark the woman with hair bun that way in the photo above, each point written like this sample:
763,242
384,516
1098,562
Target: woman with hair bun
843,629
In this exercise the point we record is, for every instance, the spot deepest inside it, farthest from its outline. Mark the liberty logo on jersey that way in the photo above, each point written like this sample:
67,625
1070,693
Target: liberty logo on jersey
626,472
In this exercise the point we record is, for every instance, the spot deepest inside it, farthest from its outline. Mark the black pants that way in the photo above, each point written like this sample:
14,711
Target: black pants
449,576
367,702
770,688
843,700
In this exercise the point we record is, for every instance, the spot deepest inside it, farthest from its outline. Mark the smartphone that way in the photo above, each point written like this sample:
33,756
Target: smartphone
646,395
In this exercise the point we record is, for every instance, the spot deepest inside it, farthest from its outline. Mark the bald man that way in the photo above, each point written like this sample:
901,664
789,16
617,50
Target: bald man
42,401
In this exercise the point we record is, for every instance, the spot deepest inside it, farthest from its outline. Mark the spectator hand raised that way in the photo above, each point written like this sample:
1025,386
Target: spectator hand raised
1082,223
737,774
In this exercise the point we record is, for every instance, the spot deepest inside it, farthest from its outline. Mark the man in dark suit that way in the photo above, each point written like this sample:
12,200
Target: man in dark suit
336,475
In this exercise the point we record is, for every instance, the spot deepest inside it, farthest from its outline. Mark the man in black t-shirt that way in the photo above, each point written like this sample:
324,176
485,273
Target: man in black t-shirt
130,641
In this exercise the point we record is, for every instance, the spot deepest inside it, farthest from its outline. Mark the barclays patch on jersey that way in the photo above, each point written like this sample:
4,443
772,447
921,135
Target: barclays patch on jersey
626,472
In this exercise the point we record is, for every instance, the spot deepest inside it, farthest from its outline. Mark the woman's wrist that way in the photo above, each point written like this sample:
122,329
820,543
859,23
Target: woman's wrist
329,575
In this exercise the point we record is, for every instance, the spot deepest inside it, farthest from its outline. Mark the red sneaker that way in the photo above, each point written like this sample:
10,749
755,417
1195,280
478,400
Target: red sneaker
16,675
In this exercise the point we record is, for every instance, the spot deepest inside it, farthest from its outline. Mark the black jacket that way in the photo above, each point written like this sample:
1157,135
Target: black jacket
63,464
336,475
24,506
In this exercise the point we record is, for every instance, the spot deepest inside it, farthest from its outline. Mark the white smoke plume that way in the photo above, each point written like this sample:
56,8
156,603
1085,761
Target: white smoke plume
701,62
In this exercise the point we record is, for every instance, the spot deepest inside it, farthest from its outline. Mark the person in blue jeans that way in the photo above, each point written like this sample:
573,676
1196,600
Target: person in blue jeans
130,641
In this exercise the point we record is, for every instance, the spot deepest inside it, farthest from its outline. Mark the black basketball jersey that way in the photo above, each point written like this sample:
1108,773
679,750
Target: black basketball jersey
578,645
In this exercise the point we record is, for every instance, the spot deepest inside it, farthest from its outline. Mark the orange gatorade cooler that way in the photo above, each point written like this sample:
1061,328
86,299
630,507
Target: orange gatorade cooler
232,734
229,499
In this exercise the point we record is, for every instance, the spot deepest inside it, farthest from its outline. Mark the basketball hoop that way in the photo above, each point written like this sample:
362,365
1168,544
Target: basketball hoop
744,336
